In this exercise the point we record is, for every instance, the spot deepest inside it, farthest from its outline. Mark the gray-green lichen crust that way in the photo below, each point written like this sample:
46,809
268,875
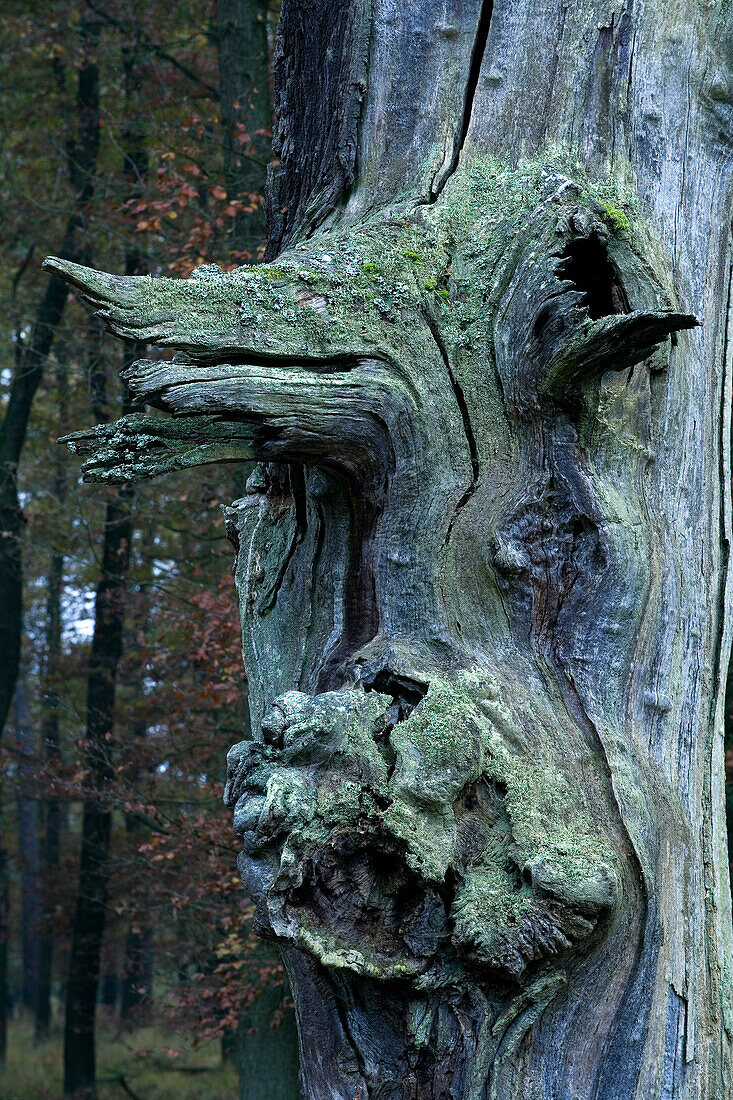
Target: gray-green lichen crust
436,798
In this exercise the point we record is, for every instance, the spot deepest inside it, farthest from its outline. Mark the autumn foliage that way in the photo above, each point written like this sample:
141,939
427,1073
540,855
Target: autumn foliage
161,202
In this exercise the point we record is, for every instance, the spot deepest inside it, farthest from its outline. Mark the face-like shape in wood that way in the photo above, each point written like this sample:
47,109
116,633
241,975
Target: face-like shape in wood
450,406
406,848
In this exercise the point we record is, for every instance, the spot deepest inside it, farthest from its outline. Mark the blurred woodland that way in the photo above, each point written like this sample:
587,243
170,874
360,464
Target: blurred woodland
135,138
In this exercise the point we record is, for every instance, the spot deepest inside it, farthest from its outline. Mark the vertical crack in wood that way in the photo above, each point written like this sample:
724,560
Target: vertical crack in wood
296,483
474,72
466,421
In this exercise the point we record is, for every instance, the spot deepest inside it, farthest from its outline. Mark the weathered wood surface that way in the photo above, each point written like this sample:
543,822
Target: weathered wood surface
482,566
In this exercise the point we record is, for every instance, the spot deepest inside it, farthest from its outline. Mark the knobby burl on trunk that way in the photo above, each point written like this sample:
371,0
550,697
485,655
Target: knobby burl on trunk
452,407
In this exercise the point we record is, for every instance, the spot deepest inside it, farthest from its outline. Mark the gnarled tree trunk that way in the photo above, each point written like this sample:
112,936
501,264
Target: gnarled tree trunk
482,566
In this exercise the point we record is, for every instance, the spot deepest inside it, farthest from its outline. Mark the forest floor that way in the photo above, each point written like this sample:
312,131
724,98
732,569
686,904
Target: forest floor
146,1064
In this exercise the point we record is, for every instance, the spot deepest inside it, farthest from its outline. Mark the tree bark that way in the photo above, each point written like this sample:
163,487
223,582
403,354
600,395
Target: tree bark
483,566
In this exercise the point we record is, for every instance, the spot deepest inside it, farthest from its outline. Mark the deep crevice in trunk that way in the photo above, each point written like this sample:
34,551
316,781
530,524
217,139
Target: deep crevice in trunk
586,264
474,72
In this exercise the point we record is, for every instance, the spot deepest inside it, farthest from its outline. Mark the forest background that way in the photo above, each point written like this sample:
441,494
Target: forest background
134,137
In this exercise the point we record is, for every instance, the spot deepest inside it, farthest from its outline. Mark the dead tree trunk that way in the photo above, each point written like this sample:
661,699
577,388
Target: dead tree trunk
483,567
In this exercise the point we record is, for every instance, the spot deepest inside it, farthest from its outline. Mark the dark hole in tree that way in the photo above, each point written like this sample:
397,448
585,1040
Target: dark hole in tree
405,693
585,262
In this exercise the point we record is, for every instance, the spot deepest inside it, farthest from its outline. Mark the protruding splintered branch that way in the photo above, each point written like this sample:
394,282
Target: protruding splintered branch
275,364
214,316
138,447
615,342
141,308
97,288
547,341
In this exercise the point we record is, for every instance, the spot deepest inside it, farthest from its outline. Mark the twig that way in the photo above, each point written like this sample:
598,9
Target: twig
127,1088
118,1079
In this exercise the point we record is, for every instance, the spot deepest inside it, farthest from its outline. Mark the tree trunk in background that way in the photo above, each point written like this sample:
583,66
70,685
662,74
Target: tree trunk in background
483,566
137,977
109,991
240,33
267,1044
50,727
29,847
90,915
82,159
137,970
